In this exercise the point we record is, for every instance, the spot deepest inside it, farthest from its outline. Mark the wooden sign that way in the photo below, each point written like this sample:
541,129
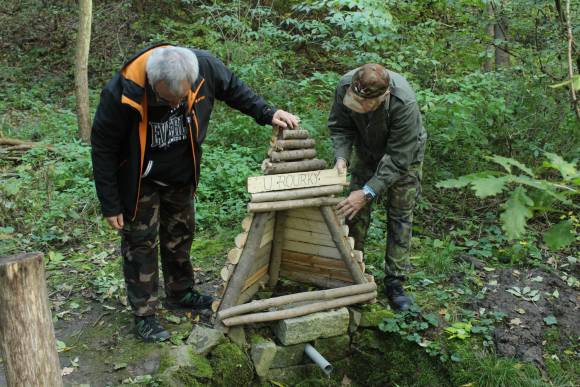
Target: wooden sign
295,180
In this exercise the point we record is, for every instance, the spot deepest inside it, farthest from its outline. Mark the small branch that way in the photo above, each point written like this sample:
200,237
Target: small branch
571,44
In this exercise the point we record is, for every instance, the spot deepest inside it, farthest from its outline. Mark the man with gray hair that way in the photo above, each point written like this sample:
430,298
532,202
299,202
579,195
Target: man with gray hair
146,141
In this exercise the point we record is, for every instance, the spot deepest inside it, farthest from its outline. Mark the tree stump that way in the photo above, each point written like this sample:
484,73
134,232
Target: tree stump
27,340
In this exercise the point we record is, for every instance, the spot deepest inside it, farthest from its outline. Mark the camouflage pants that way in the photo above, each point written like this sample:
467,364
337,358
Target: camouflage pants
399,203
166,219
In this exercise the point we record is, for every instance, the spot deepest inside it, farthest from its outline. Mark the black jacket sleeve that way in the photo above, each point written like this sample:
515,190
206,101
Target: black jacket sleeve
234,92
107,136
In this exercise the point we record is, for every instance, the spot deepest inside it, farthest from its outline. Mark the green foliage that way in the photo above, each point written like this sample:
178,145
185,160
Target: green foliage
519,207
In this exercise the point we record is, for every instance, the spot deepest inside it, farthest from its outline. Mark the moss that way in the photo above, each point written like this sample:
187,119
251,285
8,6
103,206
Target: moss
373,315
231,366
389,360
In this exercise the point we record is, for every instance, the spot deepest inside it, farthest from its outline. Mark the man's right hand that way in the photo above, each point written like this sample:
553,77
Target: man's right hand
116,221
341,166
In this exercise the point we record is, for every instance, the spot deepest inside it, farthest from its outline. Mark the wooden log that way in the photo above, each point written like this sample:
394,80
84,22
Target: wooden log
27,341
215,305
315,260
294,134
234,255
309,237
295,180
301,193
307,225
24,144
288,155
313,279
300,310
244,265
255,277
226,272
240,240
277,245
247,222
250,292
319,295
337,274
350,241
294,144
312,249
338,237
358,255
270,168
288,204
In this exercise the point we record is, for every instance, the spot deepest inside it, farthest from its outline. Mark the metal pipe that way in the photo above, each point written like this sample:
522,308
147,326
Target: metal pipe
318,359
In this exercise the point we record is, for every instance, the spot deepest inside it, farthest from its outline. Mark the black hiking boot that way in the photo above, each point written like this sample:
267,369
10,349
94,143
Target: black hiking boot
398,300
149,329
191,299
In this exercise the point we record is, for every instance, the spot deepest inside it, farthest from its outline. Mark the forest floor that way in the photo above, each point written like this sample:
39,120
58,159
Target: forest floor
528,316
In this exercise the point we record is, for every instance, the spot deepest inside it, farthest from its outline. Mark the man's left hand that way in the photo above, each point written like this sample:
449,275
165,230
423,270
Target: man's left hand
350,206
284,120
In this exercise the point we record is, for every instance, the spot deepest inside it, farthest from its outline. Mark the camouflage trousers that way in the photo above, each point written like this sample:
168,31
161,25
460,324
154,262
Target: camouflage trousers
399,203
165,221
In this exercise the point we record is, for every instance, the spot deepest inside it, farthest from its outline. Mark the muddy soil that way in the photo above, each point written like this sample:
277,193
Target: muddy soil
523,333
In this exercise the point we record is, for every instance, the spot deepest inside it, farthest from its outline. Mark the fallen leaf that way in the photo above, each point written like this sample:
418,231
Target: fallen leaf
119,366
515,321
67,371
488,268
556,294
550,320
537,279
346,381
520,310
492,283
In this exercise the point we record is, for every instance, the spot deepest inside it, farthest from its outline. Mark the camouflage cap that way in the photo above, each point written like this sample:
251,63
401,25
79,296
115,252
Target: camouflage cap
368,89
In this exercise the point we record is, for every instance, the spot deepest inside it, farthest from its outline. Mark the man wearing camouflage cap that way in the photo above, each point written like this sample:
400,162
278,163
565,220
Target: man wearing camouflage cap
375,110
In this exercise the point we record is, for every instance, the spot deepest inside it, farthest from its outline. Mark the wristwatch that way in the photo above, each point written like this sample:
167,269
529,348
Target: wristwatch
369,194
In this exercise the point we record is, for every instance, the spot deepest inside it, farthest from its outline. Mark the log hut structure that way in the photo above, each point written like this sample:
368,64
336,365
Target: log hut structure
291,232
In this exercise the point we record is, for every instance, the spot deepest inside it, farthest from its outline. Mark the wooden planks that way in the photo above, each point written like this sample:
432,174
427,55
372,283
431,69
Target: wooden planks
295,180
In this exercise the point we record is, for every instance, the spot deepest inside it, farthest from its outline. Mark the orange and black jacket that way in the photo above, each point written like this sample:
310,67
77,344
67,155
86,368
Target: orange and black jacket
119,133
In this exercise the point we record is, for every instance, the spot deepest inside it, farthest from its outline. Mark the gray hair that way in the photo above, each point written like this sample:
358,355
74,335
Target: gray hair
172,65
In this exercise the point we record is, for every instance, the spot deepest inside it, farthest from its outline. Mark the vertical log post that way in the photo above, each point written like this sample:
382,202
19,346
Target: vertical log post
240,274
277,246
27,340
346,253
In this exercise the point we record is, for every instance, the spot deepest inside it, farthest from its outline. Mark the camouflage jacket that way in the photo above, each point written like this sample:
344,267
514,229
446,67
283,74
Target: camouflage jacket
388,140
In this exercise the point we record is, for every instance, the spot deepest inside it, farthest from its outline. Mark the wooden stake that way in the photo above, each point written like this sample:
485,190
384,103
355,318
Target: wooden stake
277,246
299,311
244,265
301,193
269,168
318,295
288,204
297,154
294,144
27,340
338,237
298,134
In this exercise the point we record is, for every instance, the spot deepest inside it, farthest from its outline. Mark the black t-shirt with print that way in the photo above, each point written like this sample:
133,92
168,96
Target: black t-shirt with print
168,156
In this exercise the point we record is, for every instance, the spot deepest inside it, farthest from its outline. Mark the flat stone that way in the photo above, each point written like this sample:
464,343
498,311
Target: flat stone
262,355
310,327
287,356
204,339
294,375
354,322
333,348
238,336
373,315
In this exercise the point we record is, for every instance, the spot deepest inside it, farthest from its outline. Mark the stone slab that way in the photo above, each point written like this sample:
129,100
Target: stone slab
313,326
204,339
287,356
262,354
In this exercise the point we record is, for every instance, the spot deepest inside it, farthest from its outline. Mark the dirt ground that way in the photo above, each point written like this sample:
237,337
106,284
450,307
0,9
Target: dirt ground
523,334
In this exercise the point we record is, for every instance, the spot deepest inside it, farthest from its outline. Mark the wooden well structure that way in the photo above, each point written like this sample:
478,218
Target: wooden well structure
292,232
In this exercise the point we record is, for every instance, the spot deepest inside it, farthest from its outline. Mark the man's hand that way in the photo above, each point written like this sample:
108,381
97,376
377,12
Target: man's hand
350,206
341,166
116,221
284,120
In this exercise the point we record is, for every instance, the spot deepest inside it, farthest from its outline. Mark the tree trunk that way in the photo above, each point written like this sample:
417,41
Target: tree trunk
488,64
81,69
502,57
27,340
